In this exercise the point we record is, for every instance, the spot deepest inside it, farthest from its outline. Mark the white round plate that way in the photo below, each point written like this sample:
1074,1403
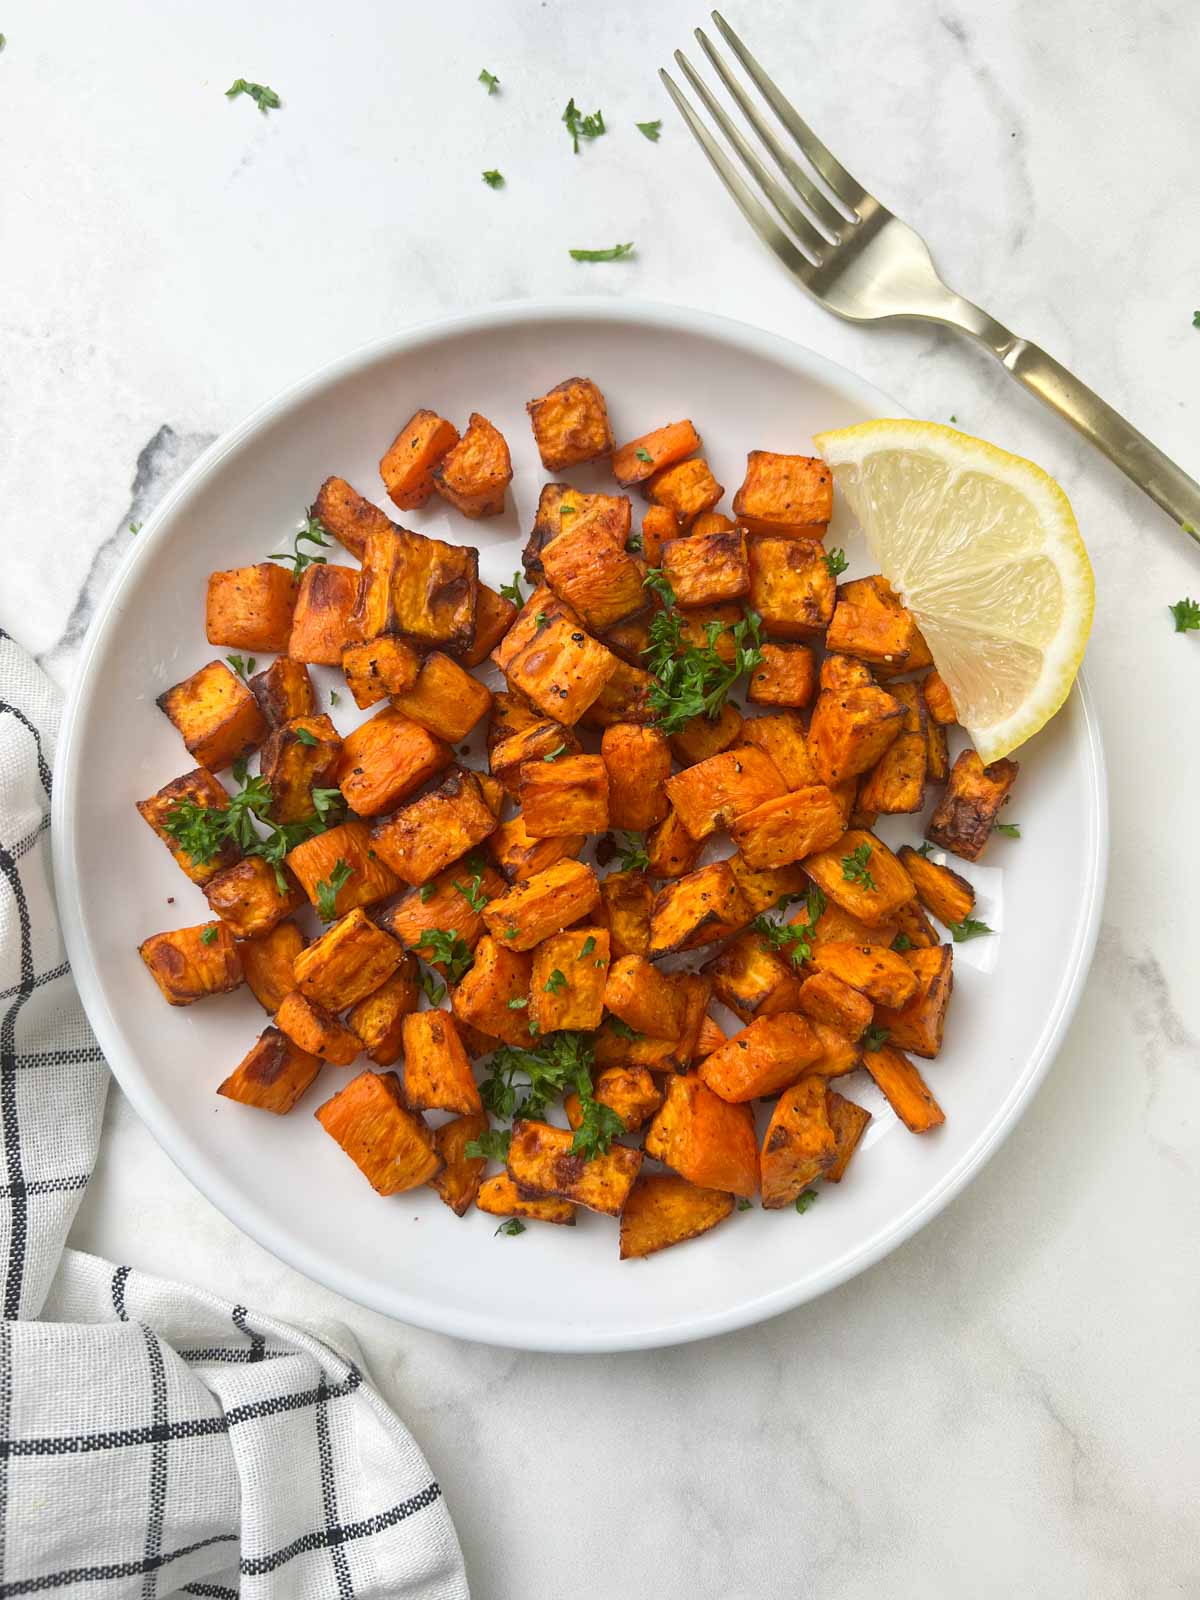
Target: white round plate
282,1178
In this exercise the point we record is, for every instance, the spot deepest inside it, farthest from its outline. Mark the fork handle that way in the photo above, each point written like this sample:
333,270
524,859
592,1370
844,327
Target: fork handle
1142,462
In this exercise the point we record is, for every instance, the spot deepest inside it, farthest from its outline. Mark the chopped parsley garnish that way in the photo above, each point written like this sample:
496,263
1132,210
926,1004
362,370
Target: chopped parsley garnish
632,855
643,454
690,681
621,1028
134,527
334,698
306,736
581,127
444,947
518,1002
1196,319
924,848
743,1204
1011,830
968,928
494,179
311,531
554,754
472,892
492,1145
1186,614
427,892
511,1228
650,129
489,80
243,666
203,831
522,1083
209,936
588,945
835,562
854,867
433,991
875,1038
327,889
556,982
901,943
792,939
806,1200
615,252
265,99
512,591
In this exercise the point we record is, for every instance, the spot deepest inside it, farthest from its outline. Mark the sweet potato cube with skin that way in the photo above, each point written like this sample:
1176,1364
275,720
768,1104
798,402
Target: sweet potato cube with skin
643,998
500,1197
564,797
752,979
799,1145
474,475
348,962
483,998
792,494
217,716
713,794
629,1091
849,1122
284,690
385,759
781,737
789,828
380,667
904,1089
322,623
626,697
626,899
695,910
314,860
273,1075
791,587
389,1144
570,424
441,826
966,814
442,903
197,788
706,569
562,670
765,887
659,526
541,1163
247,896
850,731
250,608
629,640
519,856
767,1055
826,998
317,1030
544,738
408,463
458,1181
892,886
494,616
445,699
347,515
940,889
641,458
298,757
269,964
884,977
920,1023
437,1070
378,1019
687,488
189,964
546,903
671,850
566,988
664,1209
786,676
600,581
704,737
938,702
911,922
705,1139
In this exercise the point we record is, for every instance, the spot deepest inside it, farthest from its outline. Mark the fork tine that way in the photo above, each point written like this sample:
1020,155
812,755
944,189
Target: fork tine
752,209
831,220
810,239
847,188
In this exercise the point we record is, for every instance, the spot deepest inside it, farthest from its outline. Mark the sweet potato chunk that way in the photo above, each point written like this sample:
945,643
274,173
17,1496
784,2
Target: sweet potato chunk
643,998
598,579
447,901
687,488
426,835
873,630
483,998
421,588
967,812
767,1055
518,855
850,730
349,517
791,587
664,1209
382,666
273,1075
705,1139
247,896
188,964
629,1091
918,1025
824,997
786,676
547,903
695,910
250,608
564,797
458,1181
540,1162
313,1028
890,886
839,1055
378,1019
269,964
938,701
671,850
626,899
765,887
752,979
544,738
940,889
298,757
638,763
713,794
710,1037
706,569
385,759
849,1123
566,988
895,785
408,463
389,1144
641,458
474,475
937,752
560,507
314,860
613,1048
659,525
500,1197
626,697
799,1145
904,1089
494,616
785,494
198,788
703,737
789,828
910,919
348,962
781,737
712,522
875,971
284,690
216,715
561,670
570,424
437,1071
840,674
322,624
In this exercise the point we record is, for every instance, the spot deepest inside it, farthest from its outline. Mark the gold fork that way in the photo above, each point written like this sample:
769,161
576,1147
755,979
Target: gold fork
863,263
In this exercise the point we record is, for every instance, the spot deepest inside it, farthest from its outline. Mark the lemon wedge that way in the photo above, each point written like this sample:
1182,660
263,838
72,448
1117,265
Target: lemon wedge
983,548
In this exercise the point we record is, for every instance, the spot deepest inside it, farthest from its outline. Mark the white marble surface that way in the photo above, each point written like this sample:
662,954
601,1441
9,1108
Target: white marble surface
1007,1405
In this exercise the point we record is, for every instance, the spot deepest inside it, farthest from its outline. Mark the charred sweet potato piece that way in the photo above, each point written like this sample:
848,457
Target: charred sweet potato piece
389,1144
345,514
564,797
314,860
437,1071
638,763
284,690
664,1209
429,833
543,738
706,569
567,985
379,667
938,701
188,964
408,463
273,1075
269,964
875,971
385,759
494,616
518,855
687,489
849,1123
695,910
966,814
500,1197
940,889
786,676
659,525
703,737
918,1025
713,794
216,715
599,580
626,899
791,587
322,623
911,922
561,670
444,699
799,1145
850,730
752,979
198,788
641,458
447,901
474,475
248,898
458,1181
347,962
421,588
767,1055
547,903
298,757
483,998
824,997
869,858
643,998
629,1091
895,785
904,1089
705,1139
541,1163
317,1030
781,737
570,424
250,608
671,850
378,1019
626,697
788,828
785,494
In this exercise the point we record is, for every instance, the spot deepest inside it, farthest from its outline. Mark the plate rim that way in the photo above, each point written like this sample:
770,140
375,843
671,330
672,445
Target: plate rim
224,1193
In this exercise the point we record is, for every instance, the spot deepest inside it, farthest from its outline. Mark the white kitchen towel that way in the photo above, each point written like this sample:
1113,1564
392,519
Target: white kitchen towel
155,1440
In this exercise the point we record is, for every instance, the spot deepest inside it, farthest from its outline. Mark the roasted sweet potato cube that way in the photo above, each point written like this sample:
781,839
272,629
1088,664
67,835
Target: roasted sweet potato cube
966,814
849,1122
273,1075
710,1037
541,1163
895,785
792,494
824,997
850,730
378,1019
875,971
879,634
375,600
458,1181
447,901
696,628
518,855
840,674
641,458
703,737
379,667
638,763
248,898
622,1048
483,999
687,489
711,522
566,987
389,1144
868,858
752,979
347,962
345,514
216,715
284,690
163,810
298,757
408,463
494,616
426,835
561,670
317,1030
437,1070
322,623
559,508
791,587
598,579
911,922
644,998
474,475
835,922
786,676
904,1089
664,1209
250,608
799,1145
625,902
706,569
695,910
544,738
500,1197
444,699
671,850
629,1091
839,1055
493,793
419,587
918,1026
268,963
938,701
940,889
765,887
788,828
385,759
713,794
767,1055
570,424
188,964
781,736
564,797
659,525
547,903
314,860
705,1139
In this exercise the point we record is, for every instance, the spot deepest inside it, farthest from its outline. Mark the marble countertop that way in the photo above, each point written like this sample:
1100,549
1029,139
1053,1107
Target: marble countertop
1007,1404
